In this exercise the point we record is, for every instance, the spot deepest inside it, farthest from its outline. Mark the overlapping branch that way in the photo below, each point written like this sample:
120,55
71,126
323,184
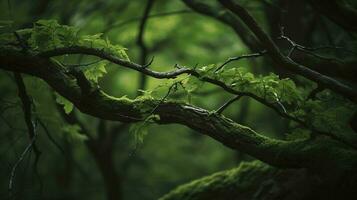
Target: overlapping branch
179,71
226,18
104,55
92,100
285,62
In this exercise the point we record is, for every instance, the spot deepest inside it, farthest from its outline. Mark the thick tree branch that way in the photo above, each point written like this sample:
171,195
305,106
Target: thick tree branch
95,102
226,18
171,74
283,61
346,70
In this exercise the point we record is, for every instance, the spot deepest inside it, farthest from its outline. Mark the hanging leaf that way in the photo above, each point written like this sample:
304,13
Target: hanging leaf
67,105
140,129
96,71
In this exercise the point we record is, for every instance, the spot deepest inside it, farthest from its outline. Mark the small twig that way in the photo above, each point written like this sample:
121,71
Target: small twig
307,50
228,103
177,66
303,49
21,158
146,119
330,47
31,125
82,65
280,103
149,63
174,85
253,55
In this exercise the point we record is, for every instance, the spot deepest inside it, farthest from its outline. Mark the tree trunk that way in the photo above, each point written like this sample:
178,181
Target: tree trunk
104,161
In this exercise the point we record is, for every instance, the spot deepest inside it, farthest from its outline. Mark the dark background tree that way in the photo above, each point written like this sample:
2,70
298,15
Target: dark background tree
134,99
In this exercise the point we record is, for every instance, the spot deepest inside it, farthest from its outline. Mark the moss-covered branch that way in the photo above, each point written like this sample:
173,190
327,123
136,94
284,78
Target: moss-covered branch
241,183
256,180
90,99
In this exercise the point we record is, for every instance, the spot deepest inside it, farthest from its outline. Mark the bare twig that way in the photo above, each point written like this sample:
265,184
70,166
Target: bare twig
149,63
307,50
286,62
253,55
228,103
173,86
21,158
31,126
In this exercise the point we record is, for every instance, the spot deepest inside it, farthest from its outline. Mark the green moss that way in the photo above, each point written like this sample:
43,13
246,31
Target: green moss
238,182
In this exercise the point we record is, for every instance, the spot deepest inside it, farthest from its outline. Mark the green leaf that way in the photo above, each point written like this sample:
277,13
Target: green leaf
96,41
97,71
67,105
207,70
43,36
48,34
192,84
140,129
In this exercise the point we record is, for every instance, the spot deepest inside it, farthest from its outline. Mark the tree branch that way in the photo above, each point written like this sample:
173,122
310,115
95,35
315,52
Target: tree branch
27,109
171,74
226,18
253,55
95,102
140,41
228,103
283,61
99,104
31,127
101,54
